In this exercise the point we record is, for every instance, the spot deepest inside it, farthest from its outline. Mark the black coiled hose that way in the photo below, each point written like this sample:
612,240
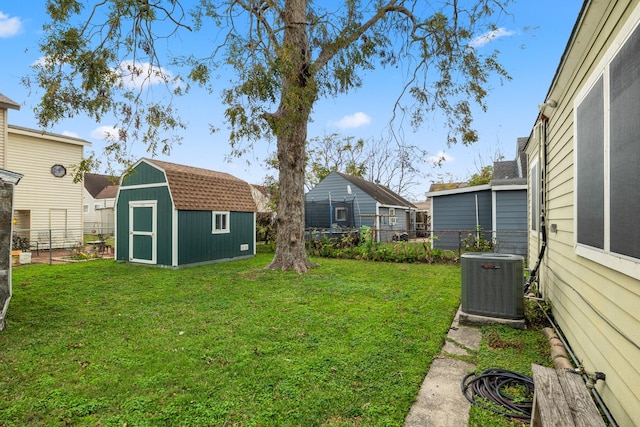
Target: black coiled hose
491,386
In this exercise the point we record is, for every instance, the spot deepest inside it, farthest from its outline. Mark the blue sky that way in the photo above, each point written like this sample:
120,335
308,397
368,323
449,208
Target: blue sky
531,42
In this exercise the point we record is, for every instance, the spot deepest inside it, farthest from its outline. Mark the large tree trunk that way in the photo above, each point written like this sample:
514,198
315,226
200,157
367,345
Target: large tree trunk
291,252
290,126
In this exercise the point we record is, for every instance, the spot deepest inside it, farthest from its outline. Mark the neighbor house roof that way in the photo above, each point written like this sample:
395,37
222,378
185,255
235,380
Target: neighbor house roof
199,189
441,186
8,103
96,185
382,194
10,177
505,169
19,130
108,192
513,169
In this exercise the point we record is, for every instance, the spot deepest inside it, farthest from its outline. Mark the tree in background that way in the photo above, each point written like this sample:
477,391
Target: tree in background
333,153
397,166
484,176
484,171
283,55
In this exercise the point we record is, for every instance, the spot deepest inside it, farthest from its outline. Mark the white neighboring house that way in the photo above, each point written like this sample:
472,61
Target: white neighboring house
47,198
99,199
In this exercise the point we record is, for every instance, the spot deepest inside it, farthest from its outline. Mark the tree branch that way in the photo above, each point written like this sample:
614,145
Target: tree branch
331,49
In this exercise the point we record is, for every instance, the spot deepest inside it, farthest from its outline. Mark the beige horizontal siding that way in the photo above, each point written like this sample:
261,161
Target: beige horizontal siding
597,308
39,191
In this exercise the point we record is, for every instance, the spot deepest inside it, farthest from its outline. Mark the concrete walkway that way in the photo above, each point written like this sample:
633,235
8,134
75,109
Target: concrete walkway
440,401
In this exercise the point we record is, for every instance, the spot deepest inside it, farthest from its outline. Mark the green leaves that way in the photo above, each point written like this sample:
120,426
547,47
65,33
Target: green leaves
84,50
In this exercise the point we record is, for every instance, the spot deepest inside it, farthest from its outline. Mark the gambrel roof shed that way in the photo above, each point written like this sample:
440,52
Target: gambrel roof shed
199,189
175,215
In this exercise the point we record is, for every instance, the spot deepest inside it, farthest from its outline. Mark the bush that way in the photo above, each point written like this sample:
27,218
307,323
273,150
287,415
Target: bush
20,243
477,242
365,249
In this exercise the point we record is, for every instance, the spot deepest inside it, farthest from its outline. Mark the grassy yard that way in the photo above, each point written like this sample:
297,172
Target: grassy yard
102,343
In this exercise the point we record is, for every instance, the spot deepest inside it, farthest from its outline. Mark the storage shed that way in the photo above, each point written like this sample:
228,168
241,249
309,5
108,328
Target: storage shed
496,212
173,215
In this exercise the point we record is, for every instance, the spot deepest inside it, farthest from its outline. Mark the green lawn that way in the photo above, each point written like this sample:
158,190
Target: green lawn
102,343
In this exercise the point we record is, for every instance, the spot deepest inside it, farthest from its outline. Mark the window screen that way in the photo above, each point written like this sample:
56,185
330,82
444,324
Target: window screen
625,148
590,167
535,209
341,214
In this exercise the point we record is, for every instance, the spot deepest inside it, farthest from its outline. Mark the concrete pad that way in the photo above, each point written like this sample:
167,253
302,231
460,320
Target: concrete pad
440,401
469,337
460,338
452,348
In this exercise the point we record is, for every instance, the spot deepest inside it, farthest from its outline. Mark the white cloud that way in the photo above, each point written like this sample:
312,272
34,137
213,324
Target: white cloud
132,75
138,75
71,134
354,121
40,62
490,36
105,133
9,27
440,158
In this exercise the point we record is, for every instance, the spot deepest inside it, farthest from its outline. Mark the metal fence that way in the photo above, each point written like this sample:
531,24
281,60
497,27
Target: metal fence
497,241
46,244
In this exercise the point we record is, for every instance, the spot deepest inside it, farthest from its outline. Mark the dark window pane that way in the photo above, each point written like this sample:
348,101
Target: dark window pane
590,168
625,148
535,209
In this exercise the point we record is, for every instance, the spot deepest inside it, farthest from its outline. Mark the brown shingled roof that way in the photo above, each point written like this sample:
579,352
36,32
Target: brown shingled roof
109,192
95,183
441,186
197,189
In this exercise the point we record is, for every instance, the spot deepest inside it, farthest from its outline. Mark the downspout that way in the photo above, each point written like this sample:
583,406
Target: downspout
477,221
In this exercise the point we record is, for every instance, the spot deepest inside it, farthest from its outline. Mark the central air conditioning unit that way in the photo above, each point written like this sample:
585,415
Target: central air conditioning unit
492,285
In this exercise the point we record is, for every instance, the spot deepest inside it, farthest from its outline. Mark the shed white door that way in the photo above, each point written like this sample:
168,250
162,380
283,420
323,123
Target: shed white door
142,231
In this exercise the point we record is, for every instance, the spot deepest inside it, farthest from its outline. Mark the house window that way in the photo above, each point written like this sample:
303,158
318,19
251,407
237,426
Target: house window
392,211
340,214
535,208
220,222
607,123
85,208
96,207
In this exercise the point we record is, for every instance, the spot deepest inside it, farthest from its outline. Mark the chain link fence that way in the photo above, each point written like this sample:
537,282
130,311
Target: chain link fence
459,241
497,241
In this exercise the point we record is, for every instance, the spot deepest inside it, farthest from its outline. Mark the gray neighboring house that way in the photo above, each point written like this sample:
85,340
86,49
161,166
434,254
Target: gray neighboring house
496,211
350,202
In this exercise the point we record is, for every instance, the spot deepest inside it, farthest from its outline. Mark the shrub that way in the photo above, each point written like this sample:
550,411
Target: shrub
401,252
20,243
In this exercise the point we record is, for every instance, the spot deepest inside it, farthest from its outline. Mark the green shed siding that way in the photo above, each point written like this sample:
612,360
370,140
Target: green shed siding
164,221
197,244
144,174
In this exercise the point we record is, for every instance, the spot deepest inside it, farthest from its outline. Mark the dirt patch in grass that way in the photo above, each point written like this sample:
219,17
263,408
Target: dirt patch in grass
495,341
